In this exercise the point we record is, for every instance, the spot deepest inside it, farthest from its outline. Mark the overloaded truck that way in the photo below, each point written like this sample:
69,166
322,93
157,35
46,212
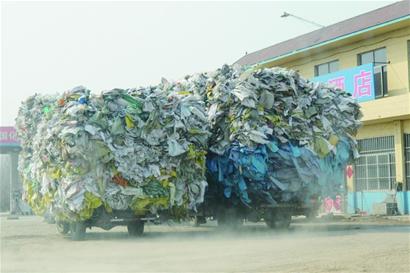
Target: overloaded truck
231,144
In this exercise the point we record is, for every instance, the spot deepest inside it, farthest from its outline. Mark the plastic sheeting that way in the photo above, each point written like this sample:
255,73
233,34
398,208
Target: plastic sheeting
278,173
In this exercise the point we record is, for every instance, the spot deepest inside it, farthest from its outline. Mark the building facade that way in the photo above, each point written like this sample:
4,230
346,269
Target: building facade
10,184
378,40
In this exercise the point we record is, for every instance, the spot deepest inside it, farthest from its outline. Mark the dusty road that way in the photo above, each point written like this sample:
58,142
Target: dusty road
31,245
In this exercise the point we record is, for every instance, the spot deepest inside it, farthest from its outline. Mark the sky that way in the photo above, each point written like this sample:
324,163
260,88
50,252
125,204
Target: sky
51,47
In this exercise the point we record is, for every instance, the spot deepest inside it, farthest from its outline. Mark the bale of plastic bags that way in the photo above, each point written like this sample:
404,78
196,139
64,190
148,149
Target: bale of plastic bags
277,137
141,149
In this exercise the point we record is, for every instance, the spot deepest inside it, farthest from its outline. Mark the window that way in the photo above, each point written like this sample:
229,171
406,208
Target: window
379,58
375,168
326,68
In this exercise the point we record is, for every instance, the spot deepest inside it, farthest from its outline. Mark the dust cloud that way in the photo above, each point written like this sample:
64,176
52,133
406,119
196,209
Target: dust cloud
31,245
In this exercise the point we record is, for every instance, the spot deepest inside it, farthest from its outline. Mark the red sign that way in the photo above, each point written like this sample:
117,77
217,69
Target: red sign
8,136
349,171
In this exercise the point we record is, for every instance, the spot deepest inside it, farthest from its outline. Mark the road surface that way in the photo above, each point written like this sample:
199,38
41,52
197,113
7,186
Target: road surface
371,245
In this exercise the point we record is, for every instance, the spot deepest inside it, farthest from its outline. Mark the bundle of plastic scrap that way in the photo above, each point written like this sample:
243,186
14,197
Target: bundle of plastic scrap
124,149
32,129
278,137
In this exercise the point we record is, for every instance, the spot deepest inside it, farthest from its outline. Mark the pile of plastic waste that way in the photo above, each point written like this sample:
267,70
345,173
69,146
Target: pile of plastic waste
265,136
277,137
141,149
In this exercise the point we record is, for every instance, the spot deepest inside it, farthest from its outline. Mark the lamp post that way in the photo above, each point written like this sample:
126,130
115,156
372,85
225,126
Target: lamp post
286,14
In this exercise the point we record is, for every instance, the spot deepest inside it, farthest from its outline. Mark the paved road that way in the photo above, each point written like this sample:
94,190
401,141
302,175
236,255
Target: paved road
372,245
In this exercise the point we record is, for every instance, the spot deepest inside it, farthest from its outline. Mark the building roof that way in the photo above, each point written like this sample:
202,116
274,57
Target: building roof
349,26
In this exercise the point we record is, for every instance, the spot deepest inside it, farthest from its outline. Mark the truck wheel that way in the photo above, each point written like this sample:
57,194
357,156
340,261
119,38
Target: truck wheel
199,220
229,218
278,221
135,228
77,231
311,215
63,227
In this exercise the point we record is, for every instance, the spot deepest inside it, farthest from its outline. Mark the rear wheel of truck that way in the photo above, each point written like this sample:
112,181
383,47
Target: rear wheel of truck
278,220
229,218
77,231
199,220
311,215
136,228
62,227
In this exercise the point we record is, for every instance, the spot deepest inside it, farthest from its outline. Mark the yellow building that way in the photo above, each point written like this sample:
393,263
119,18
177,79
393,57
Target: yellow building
382,38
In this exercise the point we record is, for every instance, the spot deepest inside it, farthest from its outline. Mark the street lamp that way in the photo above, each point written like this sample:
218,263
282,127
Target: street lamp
286,14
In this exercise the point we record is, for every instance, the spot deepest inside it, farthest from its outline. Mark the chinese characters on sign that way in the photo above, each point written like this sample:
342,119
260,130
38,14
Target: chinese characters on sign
358,81
338,81
8,136
332,205
362,85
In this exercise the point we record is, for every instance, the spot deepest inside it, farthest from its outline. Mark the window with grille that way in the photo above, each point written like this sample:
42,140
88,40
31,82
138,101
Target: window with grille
379,58
375,169
407,159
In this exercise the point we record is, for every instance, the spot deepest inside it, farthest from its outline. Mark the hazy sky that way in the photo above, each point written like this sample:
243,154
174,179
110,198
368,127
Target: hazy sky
50,47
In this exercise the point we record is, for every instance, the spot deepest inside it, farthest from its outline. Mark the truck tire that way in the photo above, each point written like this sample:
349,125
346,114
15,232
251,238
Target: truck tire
199,220
62,227
136,228
229,218
77,231
311,215
278,220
